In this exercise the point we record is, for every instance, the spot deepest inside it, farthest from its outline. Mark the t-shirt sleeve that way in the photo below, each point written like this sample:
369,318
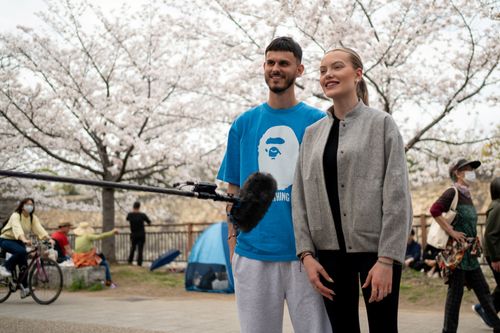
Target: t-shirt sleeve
146,218
128,217
443,203
229,171
60,238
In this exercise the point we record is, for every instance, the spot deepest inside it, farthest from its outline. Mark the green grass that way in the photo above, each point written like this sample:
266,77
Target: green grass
138,275
79,285
419,290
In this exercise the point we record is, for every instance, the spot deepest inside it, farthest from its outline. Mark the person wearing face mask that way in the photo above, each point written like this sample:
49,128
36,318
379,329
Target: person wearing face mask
14,238
468,272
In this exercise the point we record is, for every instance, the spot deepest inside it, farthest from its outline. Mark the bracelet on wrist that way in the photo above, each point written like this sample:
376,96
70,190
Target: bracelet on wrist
303,255
385,262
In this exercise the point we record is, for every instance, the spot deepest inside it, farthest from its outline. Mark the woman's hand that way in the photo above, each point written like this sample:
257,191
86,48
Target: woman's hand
380,279
458,236
26,241
314,270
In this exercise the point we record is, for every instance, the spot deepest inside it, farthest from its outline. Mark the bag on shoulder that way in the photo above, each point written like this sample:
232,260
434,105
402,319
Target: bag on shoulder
3,224
436,236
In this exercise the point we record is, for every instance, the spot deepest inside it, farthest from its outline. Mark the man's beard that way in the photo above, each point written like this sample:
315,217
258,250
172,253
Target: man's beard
279,90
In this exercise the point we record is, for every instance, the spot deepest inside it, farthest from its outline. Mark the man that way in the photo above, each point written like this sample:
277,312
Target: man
266,138
137,233
491,248
413,252
62,245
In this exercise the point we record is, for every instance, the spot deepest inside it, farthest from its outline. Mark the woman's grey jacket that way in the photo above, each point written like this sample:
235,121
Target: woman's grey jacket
373,187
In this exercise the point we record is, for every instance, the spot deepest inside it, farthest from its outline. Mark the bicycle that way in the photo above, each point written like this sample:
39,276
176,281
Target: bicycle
45,278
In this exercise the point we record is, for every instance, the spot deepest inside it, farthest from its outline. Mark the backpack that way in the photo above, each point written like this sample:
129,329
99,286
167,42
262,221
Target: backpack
4,223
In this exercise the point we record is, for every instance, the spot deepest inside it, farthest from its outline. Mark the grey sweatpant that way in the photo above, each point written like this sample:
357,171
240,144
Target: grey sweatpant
262,288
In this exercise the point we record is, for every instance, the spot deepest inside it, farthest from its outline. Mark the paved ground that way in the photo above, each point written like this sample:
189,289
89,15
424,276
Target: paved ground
85,313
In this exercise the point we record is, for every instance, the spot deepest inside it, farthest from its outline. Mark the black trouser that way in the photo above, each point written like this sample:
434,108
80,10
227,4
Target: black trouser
136,241
475,280
495,295
346,270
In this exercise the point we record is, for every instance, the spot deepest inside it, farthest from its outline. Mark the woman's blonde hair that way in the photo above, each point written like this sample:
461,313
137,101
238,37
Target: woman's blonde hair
361,87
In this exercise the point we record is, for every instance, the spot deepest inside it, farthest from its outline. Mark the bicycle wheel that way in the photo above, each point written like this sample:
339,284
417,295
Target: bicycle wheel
4,285
45,281
4,289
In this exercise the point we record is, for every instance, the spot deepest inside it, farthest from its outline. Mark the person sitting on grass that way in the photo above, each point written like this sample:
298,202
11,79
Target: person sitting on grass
413,252
85,253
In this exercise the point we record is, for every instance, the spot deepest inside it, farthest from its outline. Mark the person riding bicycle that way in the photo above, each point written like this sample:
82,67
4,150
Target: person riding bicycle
14,237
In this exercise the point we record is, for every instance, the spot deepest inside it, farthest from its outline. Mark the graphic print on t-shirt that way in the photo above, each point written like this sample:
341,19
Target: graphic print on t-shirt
278,152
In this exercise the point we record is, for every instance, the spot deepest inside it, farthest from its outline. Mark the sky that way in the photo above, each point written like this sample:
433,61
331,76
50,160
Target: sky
21,12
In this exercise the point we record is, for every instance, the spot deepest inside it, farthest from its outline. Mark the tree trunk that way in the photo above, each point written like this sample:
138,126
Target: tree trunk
108,223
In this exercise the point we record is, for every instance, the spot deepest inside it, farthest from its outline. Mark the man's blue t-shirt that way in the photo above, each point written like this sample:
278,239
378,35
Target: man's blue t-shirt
267,140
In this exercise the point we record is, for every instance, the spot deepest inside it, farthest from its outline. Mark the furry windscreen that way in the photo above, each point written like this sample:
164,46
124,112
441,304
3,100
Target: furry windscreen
256,196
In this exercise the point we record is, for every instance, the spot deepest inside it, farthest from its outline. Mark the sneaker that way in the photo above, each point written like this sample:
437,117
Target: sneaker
25,292
478,309
112,286
5,272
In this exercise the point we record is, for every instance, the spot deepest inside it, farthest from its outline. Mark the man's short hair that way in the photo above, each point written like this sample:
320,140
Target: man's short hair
137,205
495,188
286,44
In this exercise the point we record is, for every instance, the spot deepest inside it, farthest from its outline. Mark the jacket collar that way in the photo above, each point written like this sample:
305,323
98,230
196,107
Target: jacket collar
353,114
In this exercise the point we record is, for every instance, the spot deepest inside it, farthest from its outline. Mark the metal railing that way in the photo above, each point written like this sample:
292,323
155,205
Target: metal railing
422,223
161,238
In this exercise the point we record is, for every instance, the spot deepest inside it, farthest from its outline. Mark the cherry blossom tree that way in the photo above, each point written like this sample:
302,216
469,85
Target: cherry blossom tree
428,63
104,99
146,95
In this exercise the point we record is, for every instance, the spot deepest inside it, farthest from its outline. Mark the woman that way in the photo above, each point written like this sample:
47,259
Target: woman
468,273
351,201
85,253
14,238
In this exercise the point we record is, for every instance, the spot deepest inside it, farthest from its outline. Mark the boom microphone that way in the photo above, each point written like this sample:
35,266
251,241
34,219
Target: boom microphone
256,195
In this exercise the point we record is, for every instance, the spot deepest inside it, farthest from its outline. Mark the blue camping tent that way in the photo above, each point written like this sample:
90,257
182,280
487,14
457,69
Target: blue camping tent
209,268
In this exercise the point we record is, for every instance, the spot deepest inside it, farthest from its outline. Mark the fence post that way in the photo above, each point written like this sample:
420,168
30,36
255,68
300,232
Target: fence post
189,244
423,228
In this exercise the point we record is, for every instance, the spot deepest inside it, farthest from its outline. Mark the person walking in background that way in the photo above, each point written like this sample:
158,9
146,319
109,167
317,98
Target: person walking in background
266,138
464,229
351,201
137,232
14,237
491,247
85,253
62,245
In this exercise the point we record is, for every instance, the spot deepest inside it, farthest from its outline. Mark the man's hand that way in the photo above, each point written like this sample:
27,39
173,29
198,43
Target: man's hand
409,261
496,266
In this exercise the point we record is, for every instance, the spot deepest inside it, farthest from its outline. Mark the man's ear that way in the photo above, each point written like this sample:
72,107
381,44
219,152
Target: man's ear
300,70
